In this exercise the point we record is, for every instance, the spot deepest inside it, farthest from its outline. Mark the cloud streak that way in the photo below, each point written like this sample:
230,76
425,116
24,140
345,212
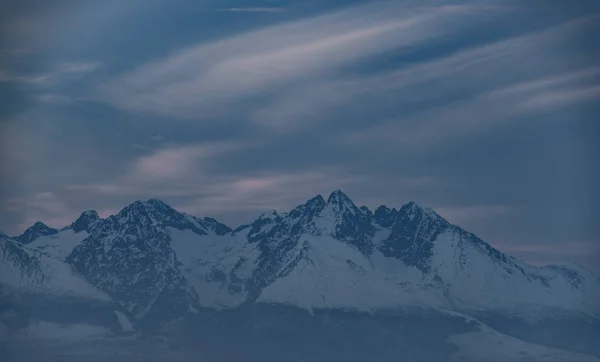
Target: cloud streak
468,214
205,76
60,72
491,100
44,206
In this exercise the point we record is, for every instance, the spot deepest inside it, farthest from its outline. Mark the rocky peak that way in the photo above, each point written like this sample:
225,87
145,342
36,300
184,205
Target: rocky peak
385,217
159,215
343,220
86,221
310,207
302,216
338,197
412,234
365,210
153,208
35,231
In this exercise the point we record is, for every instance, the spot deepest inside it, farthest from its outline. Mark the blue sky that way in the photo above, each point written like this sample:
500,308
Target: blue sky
486,111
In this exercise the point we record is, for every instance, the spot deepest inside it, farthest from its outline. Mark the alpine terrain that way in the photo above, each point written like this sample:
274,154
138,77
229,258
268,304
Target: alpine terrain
328,280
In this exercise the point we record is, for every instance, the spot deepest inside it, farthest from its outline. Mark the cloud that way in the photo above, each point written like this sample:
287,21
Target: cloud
79,67
56,99
561,98
497,67
175,162
183,174
491,99
44,206
61,72
468,214
167,168
253,10
207,76
266,191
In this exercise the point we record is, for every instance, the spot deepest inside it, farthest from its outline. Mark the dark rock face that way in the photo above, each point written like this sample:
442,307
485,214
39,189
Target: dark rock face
86,221
385,217
412,234
353,226
129,256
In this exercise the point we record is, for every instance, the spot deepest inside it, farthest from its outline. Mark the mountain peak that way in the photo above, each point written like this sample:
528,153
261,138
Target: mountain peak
412,209
35,231
316,202
337,197
151,207
269,215
340,202
85,221
157,203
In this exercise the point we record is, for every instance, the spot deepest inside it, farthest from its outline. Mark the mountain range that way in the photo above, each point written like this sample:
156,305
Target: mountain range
150,265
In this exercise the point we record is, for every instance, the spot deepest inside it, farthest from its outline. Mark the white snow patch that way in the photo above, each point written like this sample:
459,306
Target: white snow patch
124,322
332,274
59,245
480,282
208,263
51,276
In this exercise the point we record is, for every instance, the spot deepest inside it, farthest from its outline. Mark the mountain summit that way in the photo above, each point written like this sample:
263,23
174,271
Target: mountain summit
35,231
86,221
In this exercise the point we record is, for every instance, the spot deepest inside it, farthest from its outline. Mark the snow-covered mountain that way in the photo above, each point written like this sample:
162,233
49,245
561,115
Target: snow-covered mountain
31,270
160,264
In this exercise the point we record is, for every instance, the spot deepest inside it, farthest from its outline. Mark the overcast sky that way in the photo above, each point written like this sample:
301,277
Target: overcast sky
486,111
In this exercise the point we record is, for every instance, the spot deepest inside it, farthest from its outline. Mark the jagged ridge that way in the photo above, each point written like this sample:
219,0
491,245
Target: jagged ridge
159,263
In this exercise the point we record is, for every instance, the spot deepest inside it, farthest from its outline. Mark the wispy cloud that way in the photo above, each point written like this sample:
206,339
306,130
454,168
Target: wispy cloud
60,72
467,214
267,191
166,168
561,98
206,76
183,174
492,99
175,162
43,206
253,10
79,67
498,70
57,99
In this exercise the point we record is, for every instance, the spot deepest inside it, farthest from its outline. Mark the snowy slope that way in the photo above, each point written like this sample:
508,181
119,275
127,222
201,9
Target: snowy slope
479,279
216,267
333,275
60,244
30,270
